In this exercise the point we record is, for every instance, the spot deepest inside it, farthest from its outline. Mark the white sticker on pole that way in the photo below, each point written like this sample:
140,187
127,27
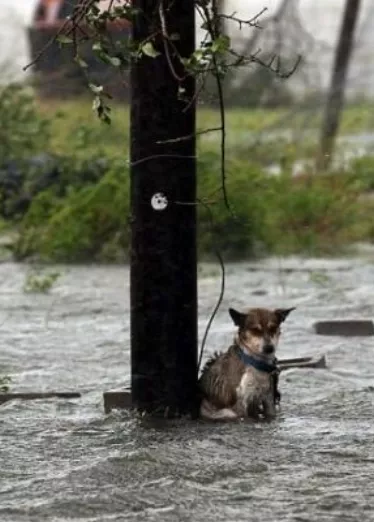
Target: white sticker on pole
159,201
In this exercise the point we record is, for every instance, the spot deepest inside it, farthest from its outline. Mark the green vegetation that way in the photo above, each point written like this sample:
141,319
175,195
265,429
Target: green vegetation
4,383
23,129
73,205
40,283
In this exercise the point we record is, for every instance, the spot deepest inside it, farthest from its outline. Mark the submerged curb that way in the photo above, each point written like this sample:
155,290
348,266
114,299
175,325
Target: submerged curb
349,328
5,397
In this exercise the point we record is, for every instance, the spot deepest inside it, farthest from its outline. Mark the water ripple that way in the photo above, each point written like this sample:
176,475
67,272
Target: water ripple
66,461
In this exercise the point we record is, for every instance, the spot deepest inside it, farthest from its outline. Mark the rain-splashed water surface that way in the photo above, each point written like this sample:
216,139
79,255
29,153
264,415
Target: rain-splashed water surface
66,461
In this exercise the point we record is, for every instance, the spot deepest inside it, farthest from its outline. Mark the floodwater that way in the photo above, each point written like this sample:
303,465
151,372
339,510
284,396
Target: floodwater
65,460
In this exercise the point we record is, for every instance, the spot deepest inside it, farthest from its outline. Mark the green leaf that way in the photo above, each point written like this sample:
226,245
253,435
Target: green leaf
198,55
221,44
81,62
96,89
116,62
96,104
64,40
106,118
97,46
149,50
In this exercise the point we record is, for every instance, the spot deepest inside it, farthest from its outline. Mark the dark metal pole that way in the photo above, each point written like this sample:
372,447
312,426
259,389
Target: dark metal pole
335,98
163,194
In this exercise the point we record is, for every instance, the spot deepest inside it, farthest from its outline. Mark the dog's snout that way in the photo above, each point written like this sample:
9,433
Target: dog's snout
268,348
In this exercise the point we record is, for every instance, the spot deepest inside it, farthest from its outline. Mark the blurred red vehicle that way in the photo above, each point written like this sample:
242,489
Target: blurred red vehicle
56,71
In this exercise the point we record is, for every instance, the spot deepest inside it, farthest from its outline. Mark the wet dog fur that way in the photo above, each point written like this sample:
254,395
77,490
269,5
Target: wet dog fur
230,387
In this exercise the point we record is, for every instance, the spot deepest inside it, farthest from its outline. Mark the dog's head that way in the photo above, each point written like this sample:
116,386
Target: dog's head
259,328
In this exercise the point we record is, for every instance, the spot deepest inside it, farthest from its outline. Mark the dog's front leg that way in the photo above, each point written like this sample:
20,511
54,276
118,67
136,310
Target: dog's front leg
269,408
253,410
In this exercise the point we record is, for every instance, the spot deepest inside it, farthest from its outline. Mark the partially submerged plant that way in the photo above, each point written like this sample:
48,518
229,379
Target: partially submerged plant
320,278
5,381
40,283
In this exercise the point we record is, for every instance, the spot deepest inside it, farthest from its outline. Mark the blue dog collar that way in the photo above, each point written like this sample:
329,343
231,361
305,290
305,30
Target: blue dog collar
259,365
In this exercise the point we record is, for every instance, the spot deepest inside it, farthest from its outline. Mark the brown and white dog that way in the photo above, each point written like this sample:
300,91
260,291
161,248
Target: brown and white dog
242,382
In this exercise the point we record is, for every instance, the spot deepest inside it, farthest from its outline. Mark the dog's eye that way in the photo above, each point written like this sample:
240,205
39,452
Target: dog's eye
273,330
256,331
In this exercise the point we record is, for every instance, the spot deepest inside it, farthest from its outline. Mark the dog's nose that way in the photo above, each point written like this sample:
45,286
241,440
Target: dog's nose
268,348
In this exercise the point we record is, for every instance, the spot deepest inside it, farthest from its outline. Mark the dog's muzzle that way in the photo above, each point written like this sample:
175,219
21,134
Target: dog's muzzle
268,348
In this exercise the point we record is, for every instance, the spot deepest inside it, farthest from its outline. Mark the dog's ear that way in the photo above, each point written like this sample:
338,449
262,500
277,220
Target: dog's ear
237,317
282,313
